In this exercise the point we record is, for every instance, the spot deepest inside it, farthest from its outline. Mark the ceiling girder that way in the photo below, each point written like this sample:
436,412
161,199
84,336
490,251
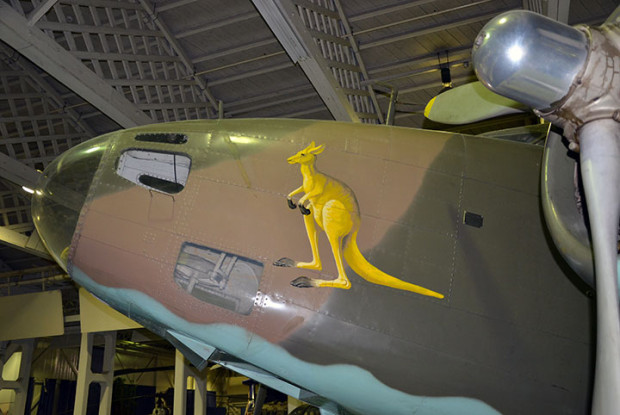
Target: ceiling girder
40,11
418,60
279,93
18,172
387,10
105,3
211,26
555,9
55,60
31,244
558,10
358,58
250,74
180,52
428,30
36,79
284,21
301,113
231,51
272,103
174,4
102,30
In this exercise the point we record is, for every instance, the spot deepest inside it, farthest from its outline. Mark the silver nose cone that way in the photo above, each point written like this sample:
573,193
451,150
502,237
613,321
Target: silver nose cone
60,195
529,58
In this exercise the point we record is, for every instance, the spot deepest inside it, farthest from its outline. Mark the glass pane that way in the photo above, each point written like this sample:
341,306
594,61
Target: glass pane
217,277
163,172
59,197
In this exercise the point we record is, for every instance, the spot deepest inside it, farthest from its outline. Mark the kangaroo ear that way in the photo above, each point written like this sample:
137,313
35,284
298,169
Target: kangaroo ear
318,149
308,149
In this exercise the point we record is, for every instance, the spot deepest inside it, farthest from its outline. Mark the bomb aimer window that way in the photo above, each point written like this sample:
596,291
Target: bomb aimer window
217,277
159,171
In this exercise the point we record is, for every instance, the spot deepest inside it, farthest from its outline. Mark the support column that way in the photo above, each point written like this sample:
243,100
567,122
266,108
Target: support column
86,375
182,370
20,383
200,393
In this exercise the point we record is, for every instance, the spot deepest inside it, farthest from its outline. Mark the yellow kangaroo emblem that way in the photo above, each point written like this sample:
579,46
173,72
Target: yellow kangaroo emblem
336,211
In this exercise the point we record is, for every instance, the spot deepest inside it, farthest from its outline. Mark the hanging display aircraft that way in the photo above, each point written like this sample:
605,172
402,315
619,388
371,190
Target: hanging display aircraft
443,293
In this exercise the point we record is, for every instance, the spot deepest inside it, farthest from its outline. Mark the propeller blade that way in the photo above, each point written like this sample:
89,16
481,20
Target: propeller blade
469,103
600,168
577,92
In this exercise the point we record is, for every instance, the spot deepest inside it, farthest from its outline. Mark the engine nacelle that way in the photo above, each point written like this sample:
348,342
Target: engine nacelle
568,75
564,207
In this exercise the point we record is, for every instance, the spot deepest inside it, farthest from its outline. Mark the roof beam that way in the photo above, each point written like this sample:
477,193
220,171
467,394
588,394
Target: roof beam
124,57
428,30
181,52
387,10
284,21
115,4
40,11
358,57
31,244
25,176
268,96
419,59
558,10
555,9
18,172
300,113
418,71
231,51
37,81
55,60
434,84
174,5
222,23
410,20
272,103
250,74
103,30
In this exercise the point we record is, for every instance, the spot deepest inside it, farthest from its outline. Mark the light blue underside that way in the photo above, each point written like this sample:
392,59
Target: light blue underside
351,387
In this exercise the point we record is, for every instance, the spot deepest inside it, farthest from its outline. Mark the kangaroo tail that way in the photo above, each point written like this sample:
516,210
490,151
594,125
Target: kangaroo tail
370,273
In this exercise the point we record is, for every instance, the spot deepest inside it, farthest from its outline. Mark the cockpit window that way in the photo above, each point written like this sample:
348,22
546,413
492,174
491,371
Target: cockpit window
166,138
160,171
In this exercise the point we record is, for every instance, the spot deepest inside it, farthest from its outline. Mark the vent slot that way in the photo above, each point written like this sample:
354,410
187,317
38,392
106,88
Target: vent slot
165,138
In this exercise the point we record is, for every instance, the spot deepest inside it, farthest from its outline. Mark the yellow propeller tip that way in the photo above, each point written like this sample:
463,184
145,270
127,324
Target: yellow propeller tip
427,109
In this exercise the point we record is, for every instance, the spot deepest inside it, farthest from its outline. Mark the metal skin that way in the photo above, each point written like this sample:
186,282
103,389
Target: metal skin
595,92
589,113
333,205
527,55
565,218
457,214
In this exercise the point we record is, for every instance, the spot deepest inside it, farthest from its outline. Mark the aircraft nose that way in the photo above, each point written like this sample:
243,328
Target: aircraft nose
60,195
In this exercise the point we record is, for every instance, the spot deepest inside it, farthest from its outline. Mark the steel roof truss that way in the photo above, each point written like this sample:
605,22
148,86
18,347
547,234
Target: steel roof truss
291,24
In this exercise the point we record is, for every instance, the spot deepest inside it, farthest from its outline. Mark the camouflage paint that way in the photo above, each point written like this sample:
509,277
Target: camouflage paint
512,331
346,384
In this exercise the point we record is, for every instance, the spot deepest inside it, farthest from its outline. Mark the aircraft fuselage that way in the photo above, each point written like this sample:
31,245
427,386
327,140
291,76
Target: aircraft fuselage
180,226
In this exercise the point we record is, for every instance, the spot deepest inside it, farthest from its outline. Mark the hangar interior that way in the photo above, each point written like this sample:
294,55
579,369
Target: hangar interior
75,69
